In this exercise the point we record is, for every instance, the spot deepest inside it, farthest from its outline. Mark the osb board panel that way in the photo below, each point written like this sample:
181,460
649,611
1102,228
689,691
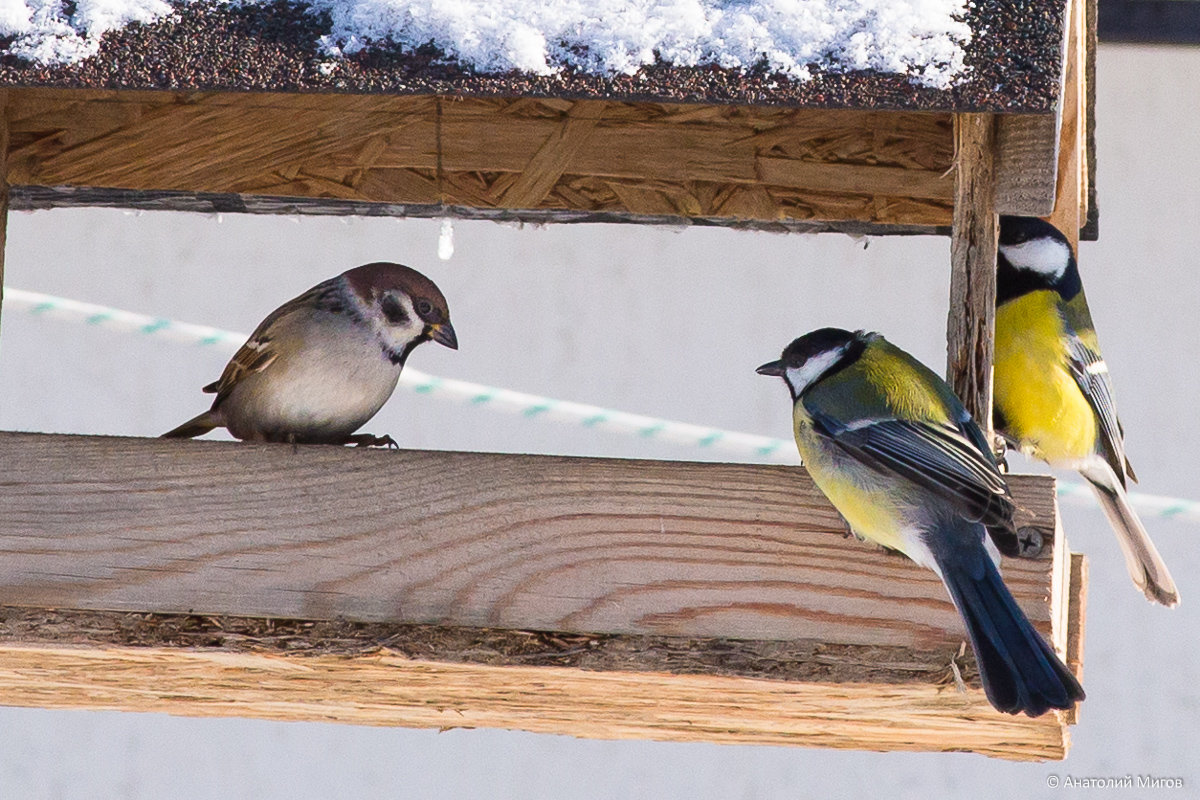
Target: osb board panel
644,159
794,693
529,542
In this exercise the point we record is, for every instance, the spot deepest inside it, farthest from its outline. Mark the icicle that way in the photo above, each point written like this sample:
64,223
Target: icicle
446,240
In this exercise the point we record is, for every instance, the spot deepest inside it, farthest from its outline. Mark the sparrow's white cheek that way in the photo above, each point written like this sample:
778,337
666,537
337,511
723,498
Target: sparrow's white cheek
801,377
1045,256
394,335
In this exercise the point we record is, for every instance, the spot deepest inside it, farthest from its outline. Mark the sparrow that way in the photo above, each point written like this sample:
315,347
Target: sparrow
891,446
319,366
1053,397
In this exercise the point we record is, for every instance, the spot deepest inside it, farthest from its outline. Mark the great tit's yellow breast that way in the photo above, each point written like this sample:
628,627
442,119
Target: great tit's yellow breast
1043,407
858,494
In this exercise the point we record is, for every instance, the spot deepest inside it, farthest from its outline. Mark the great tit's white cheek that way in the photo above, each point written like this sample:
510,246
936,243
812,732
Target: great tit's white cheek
1044,256
803,376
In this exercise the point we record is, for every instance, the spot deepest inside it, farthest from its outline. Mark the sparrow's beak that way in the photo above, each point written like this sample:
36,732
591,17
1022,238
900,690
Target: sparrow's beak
775,368
443,333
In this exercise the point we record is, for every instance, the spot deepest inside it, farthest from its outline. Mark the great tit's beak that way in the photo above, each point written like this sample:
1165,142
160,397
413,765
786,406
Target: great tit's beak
443,333
775,368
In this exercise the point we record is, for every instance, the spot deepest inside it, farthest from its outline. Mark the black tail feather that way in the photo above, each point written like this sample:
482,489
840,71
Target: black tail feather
1019,670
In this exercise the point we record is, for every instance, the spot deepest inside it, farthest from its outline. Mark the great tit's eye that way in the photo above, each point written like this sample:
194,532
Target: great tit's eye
424,308
393,310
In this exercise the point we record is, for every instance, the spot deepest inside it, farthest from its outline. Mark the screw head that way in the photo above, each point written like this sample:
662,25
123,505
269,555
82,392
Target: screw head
1031,542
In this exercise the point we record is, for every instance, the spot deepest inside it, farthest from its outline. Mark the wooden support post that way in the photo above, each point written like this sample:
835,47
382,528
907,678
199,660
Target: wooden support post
973,243
3,190
595,597
1070,206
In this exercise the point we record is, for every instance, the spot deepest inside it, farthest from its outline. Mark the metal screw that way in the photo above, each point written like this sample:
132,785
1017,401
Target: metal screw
1031,542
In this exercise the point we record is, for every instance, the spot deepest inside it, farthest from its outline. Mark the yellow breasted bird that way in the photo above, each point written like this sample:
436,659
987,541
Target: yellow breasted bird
896,453
1053,395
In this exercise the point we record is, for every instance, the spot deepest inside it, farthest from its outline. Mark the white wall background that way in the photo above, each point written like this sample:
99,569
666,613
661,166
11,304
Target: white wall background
647,320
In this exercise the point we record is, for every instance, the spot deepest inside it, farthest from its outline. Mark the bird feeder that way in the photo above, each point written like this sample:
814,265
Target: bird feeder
604,598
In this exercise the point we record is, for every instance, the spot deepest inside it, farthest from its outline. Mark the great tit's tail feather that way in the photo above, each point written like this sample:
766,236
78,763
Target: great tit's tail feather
1019,670
196,426
1145,565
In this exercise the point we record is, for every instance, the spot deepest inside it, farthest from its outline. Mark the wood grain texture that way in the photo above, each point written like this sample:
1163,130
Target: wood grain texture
640,159
528,542
1076,624
1026,164
677,601
971,323
1071,191
386,689
3,190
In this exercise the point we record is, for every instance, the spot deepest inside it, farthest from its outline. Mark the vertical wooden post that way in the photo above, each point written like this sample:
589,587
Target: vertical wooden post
1070,204
971,322
3,186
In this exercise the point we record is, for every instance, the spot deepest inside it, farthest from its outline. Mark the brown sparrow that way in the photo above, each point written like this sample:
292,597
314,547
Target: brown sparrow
322,364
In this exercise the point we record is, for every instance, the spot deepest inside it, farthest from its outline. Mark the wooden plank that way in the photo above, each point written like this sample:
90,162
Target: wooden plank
1026,164
543,155
477,539
680,601
3,190
1070,207
1076,623
1091,227
599,687
973,267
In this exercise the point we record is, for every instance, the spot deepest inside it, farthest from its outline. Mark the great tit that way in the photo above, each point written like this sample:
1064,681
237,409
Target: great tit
896,453
1053,395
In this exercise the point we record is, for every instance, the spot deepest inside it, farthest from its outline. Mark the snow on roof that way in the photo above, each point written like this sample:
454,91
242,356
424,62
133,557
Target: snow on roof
922,39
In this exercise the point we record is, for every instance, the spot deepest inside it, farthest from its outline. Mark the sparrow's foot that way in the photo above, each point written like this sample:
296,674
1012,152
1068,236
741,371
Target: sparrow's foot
370,440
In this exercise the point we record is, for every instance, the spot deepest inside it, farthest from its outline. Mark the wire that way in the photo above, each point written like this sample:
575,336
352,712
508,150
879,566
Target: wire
530,406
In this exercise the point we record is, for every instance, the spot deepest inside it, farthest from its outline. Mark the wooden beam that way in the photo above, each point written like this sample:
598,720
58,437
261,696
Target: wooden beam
1071,193
1026,164
728,593
782,693
1076,623
973,245
706,162
3,190
538,542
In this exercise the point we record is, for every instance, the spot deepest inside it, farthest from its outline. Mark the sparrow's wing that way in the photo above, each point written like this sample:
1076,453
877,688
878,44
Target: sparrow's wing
259,352
936,457
1091,374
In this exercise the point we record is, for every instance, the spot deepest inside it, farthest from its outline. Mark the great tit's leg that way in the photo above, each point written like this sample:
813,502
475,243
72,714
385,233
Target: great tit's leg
1000,449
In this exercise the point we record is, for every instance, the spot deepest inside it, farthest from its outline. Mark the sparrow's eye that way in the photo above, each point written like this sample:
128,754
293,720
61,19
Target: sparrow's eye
424,308
392,309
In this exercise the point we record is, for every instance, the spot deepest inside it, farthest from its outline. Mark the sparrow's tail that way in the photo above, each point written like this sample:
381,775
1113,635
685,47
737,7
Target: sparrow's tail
196,426
1145,565
1020,672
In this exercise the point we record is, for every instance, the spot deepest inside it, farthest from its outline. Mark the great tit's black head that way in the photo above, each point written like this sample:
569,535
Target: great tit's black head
816,355
1033,255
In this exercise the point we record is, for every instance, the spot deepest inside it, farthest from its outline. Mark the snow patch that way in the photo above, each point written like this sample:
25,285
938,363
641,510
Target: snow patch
919,38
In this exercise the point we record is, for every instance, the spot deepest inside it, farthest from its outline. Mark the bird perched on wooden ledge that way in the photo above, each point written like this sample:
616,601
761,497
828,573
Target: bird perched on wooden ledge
896,453
1053,393
319,366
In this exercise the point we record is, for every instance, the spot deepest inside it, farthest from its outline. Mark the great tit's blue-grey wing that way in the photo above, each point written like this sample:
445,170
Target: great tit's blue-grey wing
936,457
1091,375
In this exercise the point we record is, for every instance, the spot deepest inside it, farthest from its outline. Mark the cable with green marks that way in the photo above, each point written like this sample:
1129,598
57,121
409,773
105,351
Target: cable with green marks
747,445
